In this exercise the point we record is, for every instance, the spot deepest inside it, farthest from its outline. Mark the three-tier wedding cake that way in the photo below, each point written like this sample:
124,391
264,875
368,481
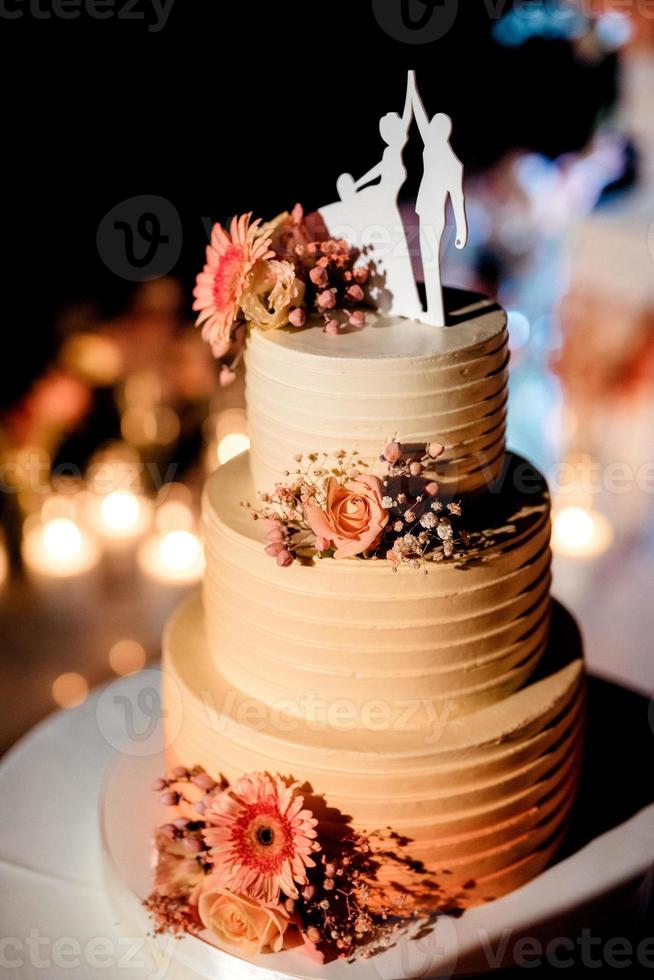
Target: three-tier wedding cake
374,710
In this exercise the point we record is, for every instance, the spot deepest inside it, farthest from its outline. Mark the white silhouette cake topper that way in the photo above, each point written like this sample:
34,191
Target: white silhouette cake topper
367,214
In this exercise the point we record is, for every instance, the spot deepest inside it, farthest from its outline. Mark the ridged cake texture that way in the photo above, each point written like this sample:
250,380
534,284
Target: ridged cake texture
458,637
310,392
483,800
438,701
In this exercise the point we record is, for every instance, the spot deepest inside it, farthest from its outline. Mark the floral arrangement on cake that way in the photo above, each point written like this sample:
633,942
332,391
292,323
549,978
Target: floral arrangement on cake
343,511
273,275
254,866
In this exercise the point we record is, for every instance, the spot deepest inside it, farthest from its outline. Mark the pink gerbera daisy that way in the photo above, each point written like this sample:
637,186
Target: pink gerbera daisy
219,287
260,838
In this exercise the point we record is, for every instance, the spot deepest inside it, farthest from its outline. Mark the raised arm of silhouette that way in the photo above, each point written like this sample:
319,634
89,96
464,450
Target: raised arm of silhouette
394,131
408,103
422,119
442,178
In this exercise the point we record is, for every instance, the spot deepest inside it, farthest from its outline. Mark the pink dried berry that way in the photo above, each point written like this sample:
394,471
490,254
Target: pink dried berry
357,318
392,452
297,317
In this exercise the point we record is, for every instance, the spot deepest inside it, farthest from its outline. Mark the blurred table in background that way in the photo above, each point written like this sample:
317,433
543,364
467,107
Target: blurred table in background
53,652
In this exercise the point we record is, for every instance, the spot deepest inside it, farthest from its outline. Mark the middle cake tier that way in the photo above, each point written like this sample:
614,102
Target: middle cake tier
326,638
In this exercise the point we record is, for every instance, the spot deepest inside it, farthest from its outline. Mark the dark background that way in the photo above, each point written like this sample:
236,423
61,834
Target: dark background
232,107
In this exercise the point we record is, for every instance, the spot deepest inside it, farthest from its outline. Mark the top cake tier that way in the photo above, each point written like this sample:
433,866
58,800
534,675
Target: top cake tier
310,392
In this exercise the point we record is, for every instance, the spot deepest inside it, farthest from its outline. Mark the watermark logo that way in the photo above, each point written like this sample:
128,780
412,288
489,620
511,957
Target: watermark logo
154,13
432,951
132,717
140,238
415,21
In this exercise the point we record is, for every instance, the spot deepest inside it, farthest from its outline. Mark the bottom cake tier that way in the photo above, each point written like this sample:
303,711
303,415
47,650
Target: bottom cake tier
469,808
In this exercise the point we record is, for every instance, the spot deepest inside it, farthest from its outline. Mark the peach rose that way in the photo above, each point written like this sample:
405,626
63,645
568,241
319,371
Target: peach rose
240,920
353,519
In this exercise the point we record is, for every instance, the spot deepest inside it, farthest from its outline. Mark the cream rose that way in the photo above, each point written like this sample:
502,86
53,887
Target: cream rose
240,920
271,292
353,518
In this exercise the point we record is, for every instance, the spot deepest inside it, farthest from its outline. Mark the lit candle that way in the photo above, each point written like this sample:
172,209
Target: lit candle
172,558
59,548
120,516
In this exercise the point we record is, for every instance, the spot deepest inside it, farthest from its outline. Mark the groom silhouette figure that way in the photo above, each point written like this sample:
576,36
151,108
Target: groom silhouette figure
442,178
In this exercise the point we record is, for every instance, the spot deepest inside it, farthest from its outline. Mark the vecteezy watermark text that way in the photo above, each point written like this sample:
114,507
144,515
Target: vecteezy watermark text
563,952
153,13
33,472
313,712
125,954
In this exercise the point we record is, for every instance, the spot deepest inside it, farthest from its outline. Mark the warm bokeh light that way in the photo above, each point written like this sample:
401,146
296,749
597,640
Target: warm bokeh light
144,427
59,547
62,539
231,445
126,657
180,550
69,690
95,358
580,533
120,511
142,388
175,558
122,514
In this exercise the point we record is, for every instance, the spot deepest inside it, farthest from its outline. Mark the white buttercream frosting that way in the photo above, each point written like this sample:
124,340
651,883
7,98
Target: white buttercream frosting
308,391
483,798
462,635
439,704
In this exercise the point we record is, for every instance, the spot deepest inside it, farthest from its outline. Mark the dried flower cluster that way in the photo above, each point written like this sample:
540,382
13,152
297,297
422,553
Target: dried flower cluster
251,864
274,275
337,509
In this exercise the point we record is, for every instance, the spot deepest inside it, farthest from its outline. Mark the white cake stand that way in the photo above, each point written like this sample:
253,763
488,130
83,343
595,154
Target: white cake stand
578,892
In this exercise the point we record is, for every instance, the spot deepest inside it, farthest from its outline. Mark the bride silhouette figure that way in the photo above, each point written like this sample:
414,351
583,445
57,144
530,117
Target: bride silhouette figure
367,214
